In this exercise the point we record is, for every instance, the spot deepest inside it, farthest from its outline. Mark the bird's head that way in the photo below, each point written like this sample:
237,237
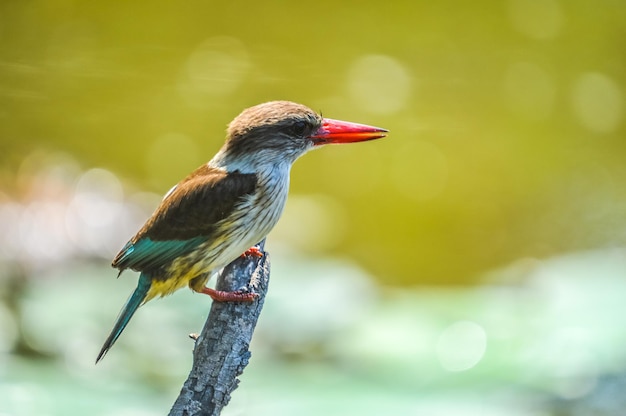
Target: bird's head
282,131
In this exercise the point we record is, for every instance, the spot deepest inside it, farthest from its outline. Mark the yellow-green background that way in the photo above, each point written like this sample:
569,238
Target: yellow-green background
505,159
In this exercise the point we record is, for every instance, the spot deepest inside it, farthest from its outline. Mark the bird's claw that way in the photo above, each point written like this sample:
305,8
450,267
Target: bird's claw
224,296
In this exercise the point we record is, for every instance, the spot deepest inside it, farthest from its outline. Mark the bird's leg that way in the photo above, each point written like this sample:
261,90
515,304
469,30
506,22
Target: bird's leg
224,296
253,251
198,285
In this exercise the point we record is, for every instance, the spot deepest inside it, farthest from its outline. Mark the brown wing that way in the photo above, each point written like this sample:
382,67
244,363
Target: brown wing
186,217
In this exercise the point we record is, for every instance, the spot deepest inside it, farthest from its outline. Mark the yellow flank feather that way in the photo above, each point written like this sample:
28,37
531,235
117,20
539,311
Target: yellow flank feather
165,287
178,276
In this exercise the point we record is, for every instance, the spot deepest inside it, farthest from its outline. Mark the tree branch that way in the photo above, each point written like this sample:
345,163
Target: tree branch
221,351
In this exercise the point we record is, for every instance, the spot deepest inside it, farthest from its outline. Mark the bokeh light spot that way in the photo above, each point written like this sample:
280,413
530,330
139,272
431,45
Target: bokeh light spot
94,214
312,222
598,102
379,84
42,231
461,346
538,19
98,198
215,69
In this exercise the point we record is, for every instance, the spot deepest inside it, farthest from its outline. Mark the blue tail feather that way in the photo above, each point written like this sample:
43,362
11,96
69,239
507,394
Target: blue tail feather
127,312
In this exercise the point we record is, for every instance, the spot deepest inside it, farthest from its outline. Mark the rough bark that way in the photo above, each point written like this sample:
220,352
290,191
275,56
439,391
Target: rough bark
221,352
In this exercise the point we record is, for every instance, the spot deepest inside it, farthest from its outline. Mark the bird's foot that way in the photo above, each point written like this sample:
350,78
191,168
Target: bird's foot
253,251
224,296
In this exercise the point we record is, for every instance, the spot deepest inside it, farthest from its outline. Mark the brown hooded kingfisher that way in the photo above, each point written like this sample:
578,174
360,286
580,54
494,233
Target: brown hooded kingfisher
226,206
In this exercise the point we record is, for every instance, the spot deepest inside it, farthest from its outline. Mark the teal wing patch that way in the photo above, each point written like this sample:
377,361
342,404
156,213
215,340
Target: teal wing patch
148,254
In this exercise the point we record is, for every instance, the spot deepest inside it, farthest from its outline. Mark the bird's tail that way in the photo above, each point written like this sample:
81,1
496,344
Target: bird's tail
127,312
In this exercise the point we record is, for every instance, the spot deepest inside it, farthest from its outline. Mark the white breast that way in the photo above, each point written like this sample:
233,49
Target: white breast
253,219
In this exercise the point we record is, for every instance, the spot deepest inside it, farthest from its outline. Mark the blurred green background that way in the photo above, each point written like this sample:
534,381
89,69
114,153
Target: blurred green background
471,263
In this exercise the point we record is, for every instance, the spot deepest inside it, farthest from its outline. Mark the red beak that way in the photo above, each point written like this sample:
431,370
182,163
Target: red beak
336,131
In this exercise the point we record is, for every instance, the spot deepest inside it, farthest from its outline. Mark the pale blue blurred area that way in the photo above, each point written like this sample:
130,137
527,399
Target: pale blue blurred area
331,342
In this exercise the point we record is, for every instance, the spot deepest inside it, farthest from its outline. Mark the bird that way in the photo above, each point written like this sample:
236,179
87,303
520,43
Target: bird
224,207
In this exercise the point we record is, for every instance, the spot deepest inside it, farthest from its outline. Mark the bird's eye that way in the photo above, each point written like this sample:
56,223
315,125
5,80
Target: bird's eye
299,127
